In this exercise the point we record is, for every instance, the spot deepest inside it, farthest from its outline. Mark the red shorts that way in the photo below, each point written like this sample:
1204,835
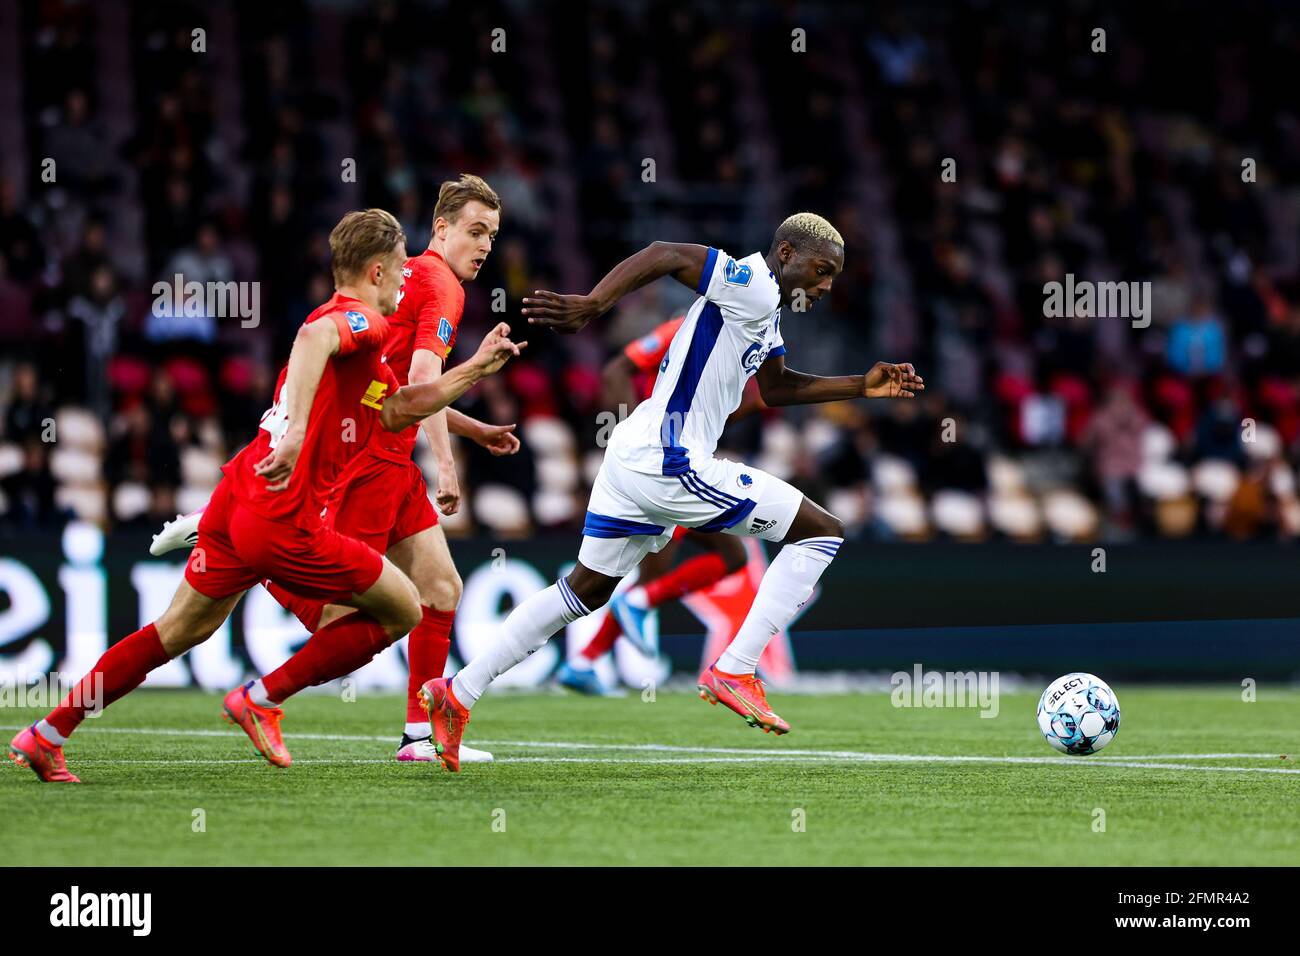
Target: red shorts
382,502
238,548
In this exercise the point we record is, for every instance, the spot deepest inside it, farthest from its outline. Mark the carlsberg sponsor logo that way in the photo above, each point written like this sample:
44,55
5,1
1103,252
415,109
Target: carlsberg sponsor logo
1100,300
73,909
945,689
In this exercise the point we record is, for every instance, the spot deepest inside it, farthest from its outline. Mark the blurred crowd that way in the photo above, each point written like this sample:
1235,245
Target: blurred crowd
969,152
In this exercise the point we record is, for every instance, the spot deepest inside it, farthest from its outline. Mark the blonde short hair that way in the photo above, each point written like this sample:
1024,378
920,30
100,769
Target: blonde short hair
455,194
361,237
807,226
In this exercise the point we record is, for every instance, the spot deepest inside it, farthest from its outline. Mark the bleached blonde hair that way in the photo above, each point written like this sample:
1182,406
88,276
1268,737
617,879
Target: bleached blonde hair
807,226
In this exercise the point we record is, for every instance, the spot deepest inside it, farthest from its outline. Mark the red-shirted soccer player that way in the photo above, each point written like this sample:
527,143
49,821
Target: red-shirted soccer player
268,518
629,378
383,500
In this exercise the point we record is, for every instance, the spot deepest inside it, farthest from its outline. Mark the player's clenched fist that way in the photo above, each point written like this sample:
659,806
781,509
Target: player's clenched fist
887,380
496,350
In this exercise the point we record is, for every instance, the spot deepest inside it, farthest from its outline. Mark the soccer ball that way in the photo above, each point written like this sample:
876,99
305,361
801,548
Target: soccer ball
1078,714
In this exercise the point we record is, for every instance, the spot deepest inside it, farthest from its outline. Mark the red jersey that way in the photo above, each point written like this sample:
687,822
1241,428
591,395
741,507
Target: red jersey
344,414
648,351
428,315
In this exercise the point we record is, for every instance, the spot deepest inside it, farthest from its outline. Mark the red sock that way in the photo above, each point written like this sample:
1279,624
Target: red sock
604,639
426,655
121,670
334,651
693,575
304,609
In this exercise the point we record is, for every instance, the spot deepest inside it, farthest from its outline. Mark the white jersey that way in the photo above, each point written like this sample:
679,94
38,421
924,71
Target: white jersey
727,334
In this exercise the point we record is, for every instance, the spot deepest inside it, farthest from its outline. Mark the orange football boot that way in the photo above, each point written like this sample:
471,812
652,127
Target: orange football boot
744,694
448,719
30,749
262,724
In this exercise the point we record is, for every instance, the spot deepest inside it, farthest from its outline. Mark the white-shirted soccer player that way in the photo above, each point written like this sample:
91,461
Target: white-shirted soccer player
659,470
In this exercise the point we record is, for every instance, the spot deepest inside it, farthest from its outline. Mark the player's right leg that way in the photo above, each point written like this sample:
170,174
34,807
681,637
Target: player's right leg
425,557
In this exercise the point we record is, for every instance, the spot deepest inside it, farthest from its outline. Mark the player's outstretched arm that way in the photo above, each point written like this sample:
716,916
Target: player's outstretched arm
412,403
498,439
313,346
784,386
684,261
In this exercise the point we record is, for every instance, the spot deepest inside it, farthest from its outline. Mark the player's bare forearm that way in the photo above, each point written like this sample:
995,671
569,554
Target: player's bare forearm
779,385
784,386
427,367
497,439
458,423
683,261
314,345
413,403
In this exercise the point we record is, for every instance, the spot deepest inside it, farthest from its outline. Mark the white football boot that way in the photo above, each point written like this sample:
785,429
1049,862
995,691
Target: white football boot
181,533
421,750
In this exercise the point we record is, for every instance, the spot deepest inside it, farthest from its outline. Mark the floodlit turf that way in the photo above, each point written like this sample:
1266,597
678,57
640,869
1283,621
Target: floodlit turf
602,793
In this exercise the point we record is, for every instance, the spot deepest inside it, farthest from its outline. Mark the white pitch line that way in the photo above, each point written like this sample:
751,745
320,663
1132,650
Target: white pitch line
655,748
713,754
860,758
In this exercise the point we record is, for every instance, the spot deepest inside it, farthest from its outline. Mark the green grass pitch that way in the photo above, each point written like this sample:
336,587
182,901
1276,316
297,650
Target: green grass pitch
1196,776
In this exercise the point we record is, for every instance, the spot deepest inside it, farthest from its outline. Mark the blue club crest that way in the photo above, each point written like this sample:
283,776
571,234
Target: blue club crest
735,273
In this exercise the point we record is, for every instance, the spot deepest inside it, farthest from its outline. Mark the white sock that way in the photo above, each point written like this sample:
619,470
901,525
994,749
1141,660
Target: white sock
786,587
257,694
418,731
529,626
46,730
637,598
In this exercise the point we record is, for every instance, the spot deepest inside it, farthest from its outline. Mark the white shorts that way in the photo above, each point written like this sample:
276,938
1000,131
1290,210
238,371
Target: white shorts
631,513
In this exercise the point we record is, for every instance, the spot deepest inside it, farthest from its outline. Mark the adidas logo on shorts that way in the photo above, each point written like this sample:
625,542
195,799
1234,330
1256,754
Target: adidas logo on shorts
758,525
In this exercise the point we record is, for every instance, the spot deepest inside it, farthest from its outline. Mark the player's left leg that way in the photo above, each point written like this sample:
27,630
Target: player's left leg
578,673
811,541
427,560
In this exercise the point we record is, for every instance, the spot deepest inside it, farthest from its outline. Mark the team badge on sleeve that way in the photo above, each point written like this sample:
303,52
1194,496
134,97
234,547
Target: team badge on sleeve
444,331
735,273
357,321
